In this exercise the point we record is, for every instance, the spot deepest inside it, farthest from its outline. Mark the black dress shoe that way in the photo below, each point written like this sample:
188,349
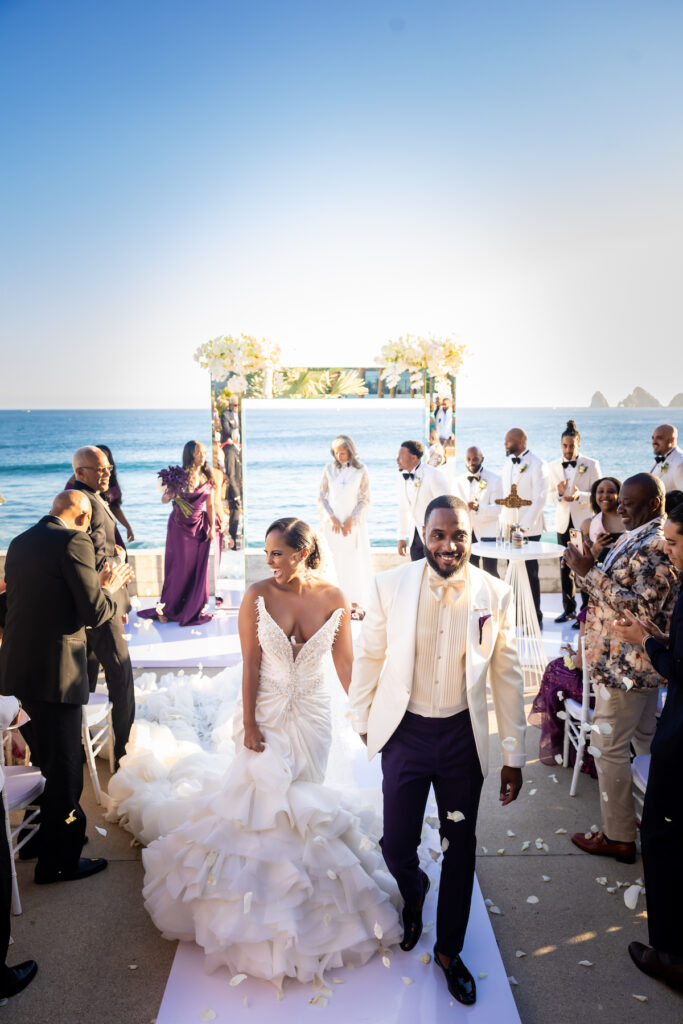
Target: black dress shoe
565,617
14,979
576,625
460,982
84,869
649,962
412,920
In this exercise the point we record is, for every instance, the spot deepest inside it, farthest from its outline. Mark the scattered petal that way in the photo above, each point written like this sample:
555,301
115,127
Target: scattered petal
501,852
512,979
546,878
132,967
337,981
560,714
406,981
444,844
510,833
484,849
483,974
102,831
488,902
628,684
319,1000
554,777
519,953
248,897
587,835
332,875
668,820
159,608
631,896
378,930
207,1013
605,796
611,888
434,854
238,979
604,692
426,958
606,729
532,792
585,963
509,743
532,899
525,845
455,816
560,831
386,961
560,694
641,999
594,751
559,759
601,880
495,910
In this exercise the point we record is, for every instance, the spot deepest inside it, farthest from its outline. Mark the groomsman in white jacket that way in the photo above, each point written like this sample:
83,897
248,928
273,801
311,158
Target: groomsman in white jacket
479,488
571,479
418,483
668,457
434,632
531,476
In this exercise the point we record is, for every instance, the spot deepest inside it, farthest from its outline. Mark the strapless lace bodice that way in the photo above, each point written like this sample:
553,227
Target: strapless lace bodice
280,670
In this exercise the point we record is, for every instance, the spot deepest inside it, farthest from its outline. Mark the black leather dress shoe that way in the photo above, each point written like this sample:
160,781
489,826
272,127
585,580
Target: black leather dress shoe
460,982
84,869
412,920
649,962
565,617
576,625
14,979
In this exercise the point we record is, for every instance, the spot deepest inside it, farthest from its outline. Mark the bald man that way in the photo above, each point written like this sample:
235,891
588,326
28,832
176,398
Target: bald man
532,478
53,593
107,644
479,488
668,465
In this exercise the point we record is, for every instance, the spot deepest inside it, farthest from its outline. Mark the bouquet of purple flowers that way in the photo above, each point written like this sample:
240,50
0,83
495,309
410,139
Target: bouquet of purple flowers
174,482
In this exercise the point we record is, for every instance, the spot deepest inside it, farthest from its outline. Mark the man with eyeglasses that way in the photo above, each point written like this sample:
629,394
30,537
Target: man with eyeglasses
106,644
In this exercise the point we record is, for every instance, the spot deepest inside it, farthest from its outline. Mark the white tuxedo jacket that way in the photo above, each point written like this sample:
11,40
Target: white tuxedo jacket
531,477
415,495
384,659
672,476
583,475
484,521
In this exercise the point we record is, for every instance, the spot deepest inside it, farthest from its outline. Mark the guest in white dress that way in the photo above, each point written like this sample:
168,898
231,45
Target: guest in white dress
343,499
273,873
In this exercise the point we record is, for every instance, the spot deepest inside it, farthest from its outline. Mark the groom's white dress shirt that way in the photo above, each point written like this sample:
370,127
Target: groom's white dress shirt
438,689
413,497
386,678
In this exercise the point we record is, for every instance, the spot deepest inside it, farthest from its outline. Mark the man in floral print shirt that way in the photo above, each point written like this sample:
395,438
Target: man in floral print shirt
637,576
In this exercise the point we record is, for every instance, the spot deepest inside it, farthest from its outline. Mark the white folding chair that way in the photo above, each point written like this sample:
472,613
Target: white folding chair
23,785
640,769
98,733
577,723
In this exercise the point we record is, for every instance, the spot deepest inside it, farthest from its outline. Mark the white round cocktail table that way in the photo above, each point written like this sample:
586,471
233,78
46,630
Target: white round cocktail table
532,654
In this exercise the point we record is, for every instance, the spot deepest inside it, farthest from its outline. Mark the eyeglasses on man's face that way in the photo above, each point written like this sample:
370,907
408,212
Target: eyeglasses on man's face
100,470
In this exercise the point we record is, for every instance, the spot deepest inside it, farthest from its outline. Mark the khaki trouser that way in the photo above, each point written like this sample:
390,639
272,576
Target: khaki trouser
631,714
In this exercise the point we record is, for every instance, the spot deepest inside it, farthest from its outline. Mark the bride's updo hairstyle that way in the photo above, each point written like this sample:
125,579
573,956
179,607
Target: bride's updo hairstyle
298,535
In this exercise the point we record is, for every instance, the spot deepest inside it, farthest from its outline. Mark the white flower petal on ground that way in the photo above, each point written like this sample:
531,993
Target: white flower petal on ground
319,1000
102,831
484,849
641,999
501,852
426,958
237,979
519,953
605,796
526,844
601,880
378,930
585,963
248,897
509,743
455,816
332,875
207,1014
594,751
444,844
510,833
559,759
560,831
628,683
611,888
405,980
560,694
159,608
606,729
631,896
539,843
546,878
386,961
512,979
488,902
337,981
483,974
554,777
532,792
668,820
560,714
132,967
532,899
495,910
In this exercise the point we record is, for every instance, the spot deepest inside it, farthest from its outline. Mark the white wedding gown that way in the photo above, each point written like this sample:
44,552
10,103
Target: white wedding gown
270,871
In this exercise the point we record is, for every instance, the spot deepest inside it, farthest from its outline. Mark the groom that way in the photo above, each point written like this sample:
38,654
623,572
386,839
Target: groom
433,632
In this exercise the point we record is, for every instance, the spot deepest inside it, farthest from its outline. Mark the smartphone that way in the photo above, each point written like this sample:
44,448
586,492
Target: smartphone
576,538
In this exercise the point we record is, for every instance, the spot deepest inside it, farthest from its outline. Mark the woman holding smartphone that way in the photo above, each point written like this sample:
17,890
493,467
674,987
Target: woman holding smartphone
602,531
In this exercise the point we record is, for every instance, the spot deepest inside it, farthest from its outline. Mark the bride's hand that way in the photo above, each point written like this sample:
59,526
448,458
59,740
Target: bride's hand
336,525
253,738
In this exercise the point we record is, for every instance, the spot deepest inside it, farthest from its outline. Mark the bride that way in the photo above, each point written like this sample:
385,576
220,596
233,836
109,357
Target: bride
272,872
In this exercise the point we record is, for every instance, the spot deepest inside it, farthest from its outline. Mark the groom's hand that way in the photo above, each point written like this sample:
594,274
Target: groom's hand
510,784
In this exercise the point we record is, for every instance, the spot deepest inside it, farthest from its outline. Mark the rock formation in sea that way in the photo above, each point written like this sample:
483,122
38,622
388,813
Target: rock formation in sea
598,401
640,399
677,401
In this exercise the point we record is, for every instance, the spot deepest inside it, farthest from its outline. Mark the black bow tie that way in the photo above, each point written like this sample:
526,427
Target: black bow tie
660,458
516,460
471,478
408,476
569,462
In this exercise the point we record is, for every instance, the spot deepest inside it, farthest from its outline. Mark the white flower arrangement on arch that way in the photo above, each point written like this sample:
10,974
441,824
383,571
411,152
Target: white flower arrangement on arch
439,358
240,356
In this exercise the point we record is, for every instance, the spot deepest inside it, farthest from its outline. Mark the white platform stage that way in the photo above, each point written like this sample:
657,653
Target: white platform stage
155,644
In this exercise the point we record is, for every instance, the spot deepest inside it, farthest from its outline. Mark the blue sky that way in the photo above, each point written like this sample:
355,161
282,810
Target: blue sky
331,175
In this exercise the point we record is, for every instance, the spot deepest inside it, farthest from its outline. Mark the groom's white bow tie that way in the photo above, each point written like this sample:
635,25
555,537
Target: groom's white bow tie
446,589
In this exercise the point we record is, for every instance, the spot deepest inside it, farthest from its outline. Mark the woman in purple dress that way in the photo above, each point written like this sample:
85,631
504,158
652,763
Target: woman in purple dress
191,529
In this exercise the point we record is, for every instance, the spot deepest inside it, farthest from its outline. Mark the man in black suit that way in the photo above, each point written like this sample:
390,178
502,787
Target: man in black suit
53,593
661,830
233,486
230,422
106,643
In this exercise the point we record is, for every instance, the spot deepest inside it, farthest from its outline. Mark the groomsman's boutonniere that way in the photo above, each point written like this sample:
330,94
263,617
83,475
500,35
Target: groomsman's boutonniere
482,485
524,467
482,622
417,483
665,466
582,468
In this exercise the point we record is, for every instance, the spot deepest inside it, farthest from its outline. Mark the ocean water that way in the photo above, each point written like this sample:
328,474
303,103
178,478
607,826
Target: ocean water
286,447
